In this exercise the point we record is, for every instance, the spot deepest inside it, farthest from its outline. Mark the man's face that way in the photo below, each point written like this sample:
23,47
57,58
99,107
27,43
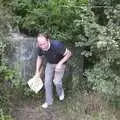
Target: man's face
43,43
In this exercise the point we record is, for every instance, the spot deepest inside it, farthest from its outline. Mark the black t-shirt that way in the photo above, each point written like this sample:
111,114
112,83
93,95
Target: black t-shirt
55,53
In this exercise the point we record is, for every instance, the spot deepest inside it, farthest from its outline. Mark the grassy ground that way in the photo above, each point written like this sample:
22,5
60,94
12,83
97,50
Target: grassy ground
78,106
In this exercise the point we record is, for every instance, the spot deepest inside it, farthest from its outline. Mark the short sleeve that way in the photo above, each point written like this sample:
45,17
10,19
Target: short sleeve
39,52
60,47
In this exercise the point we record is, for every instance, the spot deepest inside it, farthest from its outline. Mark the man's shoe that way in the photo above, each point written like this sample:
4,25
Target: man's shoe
45,105
61,97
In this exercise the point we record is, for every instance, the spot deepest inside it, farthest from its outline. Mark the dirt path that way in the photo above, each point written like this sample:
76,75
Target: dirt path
82,109
34,111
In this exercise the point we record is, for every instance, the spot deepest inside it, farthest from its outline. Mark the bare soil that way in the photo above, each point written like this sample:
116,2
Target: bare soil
32,110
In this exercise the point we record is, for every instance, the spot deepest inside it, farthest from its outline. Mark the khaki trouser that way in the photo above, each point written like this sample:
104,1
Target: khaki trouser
53,77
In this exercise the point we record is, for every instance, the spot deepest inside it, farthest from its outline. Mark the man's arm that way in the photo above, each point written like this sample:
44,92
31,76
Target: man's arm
38,64
66,57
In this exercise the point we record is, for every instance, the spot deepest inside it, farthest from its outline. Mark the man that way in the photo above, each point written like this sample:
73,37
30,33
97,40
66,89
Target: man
56,55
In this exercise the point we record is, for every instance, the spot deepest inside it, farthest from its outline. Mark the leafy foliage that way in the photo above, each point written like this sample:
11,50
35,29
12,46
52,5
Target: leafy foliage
93,32
4,117
51,15
105,74
74,23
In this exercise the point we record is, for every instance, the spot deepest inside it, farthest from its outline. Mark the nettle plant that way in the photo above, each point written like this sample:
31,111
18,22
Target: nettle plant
105,73
101,47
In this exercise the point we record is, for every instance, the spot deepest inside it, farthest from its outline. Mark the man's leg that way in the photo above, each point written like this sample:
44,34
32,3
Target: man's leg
49,72
58,81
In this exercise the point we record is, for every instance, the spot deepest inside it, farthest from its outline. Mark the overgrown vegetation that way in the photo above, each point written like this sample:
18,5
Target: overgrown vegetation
6,77
93,31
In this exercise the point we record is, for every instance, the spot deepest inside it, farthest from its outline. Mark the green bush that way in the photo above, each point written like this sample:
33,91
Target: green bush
4,117
94,32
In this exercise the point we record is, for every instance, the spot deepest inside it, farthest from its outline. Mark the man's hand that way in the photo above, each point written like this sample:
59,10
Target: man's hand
37,75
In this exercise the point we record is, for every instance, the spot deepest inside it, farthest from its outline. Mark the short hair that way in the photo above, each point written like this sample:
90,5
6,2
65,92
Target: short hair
46,35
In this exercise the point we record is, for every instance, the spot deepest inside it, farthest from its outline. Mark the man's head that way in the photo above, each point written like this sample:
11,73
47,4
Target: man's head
43,41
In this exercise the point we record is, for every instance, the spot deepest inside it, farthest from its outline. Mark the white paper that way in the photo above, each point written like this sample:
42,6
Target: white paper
35,84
